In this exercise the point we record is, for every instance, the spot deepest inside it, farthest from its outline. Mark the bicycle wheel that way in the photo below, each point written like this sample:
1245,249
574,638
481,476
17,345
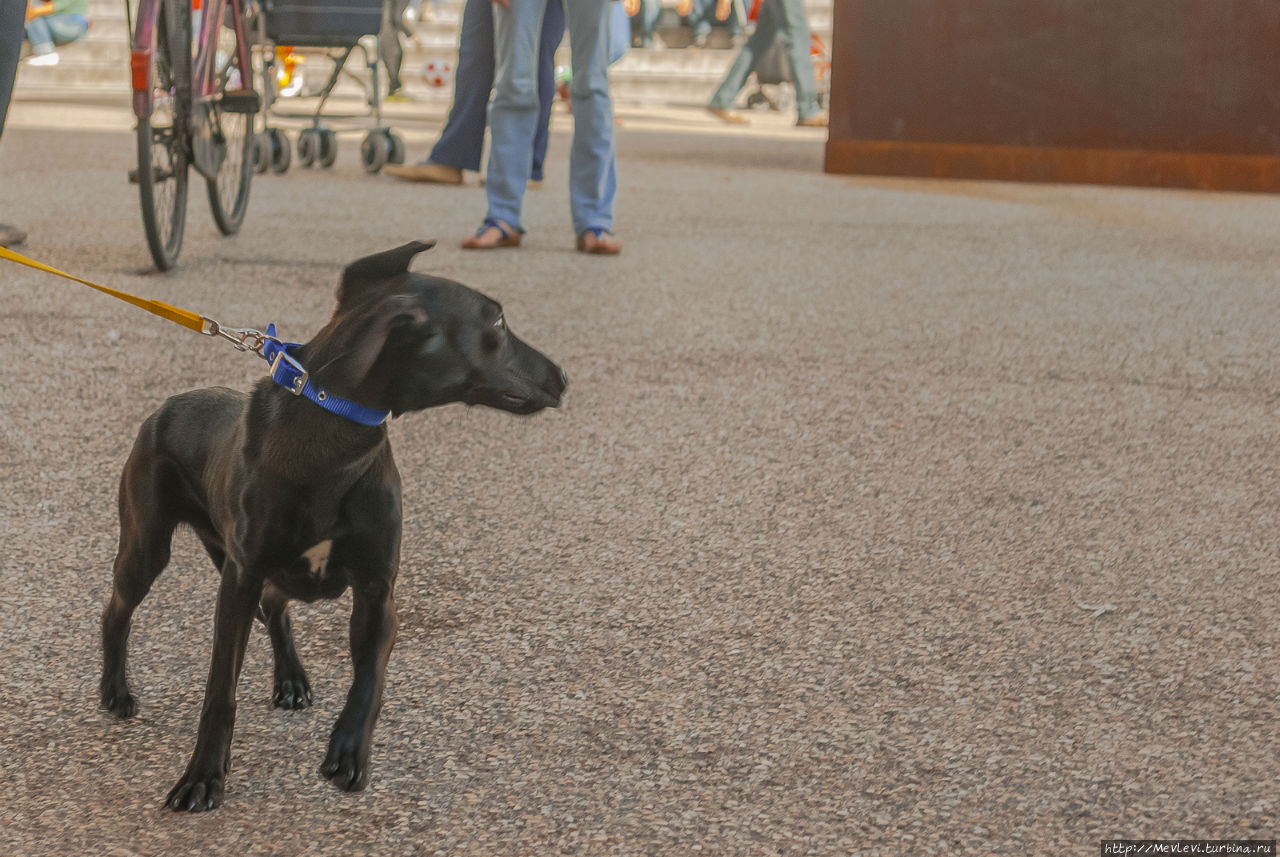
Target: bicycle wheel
231,112
163,148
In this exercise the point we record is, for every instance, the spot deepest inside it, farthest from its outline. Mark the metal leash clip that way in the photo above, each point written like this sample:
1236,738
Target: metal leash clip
243,338
285,369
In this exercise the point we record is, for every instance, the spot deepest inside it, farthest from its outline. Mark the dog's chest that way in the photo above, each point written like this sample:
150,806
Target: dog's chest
316,558
312,575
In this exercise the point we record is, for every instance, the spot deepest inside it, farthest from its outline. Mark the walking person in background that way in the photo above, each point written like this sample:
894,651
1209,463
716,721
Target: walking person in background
12,18
390,48
783,19
462,140
513,118
52,24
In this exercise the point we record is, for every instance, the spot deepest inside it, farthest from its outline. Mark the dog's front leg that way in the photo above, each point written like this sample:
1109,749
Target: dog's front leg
201,786
373,632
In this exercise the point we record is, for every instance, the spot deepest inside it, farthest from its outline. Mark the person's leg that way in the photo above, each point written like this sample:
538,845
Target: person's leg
12,14
795,34
700,19
734,22
552,33
592,162
650,12
39,35
390,50
462,140
12,17
513,116
619,34
66,29
756,46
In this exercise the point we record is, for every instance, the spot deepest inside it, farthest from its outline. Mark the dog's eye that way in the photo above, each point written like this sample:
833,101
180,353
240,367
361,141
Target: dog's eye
501,323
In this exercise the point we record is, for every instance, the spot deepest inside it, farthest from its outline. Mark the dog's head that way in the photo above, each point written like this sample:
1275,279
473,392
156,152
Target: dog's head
402,341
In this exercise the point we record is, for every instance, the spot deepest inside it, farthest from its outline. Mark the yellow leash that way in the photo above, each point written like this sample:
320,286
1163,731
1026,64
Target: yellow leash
285,368
244,339
184,317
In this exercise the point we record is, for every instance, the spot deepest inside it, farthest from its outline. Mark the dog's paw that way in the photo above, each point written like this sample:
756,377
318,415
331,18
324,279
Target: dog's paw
292,693
347,763
196,793
120,703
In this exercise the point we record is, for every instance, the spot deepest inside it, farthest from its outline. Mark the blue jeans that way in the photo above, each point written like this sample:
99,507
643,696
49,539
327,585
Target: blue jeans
49,31
647,18
703,17
462,139
513,115
784,18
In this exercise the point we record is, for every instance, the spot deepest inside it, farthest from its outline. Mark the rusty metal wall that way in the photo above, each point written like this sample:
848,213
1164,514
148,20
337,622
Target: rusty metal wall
1162,92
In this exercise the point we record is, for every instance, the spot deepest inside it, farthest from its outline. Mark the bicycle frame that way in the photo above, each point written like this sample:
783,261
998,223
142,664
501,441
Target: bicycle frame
140,56
203,76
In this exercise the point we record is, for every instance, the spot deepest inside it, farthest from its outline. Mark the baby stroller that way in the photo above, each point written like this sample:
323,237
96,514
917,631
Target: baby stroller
339,25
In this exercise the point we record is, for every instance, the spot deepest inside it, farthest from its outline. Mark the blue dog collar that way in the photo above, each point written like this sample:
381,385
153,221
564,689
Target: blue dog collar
288,373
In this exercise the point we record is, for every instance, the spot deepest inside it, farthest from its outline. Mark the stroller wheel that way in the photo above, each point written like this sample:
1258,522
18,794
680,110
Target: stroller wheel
308,146
261,152
374,151
328,142
396,153
279,149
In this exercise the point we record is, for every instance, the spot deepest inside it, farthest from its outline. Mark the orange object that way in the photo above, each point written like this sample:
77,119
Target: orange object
289,62
139,69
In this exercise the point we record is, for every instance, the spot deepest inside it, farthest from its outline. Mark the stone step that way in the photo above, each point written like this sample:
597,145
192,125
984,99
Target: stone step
99,64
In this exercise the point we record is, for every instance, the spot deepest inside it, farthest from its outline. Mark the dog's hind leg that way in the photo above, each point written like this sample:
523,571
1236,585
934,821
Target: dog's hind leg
291,688
146,530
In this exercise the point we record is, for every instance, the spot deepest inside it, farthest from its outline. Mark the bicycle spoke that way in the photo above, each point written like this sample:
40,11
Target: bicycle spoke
230,134
162,141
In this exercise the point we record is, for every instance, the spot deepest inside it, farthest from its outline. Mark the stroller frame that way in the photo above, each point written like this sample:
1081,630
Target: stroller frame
341,27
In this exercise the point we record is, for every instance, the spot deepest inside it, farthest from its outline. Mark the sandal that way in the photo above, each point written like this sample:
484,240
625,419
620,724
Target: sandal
482,240
599,242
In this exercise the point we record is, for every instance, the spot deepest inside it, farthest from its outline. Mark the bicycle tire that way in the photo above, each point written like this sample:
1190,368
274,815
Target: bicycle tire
163,135
229,190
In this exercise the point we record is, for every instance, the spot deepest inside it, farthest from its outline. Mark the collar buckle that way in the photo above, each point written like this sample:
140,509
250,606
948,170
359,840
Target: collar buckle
288,372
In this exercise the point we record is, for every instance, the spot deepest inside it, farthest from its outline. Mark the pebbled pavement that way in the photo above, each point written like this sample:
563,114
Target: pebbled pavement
884,517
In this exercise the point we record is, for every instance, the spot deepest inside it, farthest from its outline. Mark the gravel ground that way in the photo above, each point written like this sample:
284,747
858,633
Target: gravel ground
884,517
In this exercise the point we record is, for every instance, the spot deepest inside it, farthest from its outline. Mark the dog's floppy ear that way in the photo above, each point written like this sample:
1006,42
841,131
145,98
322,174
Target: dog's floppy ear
379,266
396,313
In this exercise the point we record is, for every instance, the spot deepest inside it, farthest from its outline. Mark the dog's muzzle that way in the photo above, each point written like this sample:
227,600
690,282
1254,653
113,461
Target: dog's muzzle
520,395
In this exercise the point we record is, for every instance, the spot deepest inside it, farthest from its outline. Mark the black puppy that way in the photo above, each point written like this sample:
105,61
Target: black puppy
297,497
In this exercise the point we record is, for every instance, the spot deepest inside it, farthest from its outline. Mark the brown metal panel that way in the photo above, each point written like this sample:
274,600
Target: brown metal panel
1047,164
1168,92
